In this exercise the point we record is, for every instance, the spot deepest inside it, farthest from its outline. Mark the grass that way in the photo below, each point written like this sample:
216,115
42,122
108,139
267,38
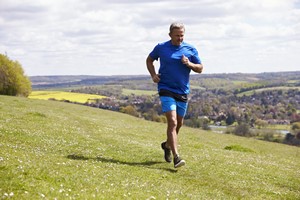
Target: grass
57,150
278,127
61,95
251,92
240,82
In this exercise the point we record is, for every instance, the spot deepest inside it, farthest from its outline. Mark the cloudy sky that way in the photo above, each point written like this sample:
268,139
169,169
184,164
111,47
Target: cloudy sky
114,37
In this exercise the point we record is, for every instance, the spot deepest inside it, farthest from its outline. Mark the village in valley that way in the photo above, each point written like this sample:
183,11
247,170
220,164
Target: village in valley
253,101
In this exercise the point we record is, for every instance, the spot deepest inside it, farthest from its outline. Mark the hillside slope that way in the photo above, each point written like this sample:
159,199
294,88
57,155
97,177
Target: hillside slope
58,150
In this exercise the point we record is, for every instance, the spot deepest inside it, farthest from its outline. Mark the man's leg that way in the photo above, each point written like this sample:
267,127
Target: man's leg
172,137
172,131
179,123
174,112
181,108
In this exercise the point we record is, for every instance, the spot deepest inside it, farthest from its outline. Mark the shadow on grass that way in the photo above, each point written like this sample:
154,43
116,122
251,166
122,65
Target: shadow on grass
110,160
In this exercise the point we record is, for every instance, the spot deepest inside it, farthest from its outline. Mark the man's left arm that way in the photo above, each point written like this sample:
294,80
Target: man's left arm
193,66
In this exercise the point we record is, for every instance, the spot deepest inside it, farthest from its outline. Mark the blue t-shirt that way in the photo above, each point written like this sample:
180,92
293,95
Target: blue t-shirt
174,75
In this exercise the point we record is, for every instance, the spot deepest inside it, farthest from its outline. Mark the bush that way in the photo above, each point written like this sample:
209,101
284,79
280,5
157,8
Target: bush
267,135
295,126
229,130
260,123
131,110
160,118
292,139
13,82
206,127
298,135
242,129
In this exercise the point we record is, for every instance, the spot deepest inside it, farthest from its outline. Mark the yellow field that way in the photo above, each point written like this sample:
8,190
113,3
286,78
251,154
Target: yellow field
60,95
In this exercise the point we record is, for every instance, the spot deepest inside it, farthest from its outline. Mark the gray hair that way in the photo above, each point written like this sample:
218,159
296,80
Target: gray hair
176,25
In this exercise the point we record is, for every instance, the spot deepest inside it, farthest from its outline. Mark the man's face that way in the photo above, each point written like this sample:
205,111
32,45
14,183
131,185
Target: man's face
177,36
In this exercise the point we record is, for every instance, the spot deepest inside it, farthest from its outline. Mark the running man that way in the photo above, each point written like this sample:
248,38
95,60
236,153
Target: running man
177,59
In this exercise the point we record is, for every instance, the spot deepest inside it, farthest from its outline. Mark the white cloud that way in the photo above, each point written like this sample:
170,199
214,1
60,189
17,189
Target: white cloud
114,37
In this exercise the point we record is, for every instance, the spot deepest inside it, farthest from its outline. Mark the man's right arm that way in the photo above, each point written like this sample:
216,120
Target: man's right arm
151,69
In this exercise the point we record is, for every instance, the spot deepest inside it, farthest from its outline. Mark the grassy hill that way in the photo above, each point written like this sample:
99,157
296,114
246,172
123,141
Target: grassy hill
56,150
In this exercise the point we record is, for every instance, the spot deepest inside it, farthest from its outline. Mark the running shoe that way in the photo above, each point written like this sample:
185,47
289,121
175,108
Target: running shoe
178,162
168,156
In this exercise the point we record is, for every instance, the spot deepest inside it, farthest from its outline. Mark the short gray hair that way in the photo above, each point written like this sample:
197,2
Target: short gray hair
176,25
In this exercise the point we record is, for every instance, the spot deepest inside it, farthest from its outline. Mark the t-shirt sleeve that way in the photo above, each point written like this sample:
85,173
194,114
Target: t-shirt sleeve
195,57
155,53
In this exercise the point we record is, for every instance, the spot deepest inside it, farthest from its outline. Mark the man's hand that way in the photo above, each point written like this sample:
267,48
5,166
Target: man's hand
150,66
185,60
156,78
195,67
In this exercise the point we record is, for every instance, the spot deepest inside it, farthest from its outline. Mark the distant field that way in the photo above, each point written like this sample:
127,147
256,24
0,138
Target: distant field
197,87
248,93
240,82
293,81
138,92
60,95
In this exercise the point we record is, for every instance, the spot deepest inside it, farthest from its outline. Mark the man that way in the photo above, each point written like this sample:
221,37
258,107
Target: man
177,59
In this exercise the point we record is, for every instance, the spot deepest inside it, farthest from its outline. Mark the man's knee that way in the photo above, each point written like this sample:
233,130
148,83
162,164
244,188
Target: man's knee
179,121
172,123
179,124
172,119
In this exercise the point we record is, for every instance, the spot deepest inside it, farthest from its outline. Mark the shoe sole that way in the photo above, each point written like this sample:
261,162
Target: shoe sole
180,164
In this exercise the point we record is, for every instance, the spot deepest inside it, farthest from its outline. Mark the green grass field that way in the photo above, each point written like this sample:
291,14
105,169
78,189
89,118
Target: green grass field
251,92
61,95
57,150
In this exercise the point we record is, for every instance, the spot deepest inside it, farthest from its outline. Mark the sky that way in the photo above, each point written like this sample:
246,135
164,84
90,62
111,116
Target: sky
98,37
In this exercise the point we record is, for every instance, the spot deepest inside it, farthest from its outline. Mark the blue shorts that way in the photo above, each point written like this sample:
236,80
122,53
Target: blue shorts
169,103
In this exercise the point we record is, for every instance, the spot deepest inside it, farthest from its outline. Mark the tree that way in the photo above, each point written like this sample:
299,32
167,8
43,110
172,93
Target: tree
230,119
12,79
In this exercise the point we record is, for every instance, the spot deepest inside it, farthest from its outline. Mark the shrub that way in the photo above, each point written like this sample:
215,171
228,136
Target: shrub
298,135
260,123
238,148
295,126
131,110
242,129
13,82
